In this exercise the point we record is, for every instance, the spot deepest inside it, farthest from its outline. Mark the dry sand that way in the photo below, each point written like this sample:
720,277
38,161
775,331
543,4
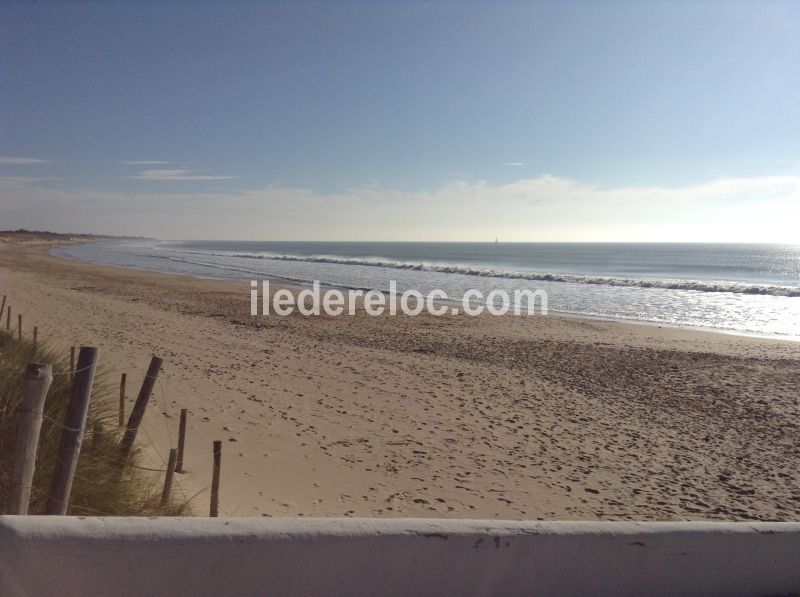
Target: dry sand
515,418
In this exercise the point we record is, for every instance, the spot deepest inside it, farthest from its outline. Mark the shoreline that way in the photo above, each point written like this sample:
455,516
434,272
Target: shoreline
559,418
295,286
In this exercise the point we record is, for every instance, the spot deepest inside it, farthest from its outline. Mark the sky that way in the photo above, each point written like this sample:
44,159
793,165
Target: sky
451,121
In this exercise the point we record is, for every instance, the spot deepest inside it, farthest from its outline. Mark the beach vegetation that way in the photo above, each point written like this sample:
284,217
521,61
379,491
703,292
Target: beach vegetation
98,488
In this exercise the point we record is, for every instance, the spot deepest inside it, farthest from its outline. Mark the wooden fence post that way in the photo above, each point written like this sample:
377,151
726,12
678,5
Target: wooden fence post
72,435
215,479
173,455
35,336
37,380
122,381
8,319
3,308
19,326
181,442
137,414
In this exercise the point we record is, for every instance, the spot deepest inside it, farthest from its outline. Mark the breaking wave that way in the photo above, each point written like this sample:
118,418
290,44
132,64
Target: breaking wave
665,283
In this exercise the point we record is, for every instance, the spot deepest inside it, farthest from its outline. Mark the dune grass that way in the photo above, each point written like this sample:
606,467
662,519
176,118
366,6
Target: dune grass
97,488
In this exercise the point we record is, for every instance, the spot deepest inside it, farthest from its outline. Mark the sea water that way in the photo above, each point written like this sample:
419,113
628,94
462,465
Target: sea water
745,288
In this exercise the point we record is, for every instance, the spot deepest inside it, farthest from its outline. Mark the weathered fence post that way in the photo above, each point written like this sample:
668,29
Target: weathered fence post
35,336
8,319
181,442
173,455
72,435
215,478
3,308
38,378
19,326
122,381
137,414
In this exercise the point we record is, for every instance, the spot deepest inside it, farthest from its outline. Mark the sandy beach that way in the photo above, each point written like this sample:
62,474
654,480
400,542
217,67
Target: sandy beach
551,417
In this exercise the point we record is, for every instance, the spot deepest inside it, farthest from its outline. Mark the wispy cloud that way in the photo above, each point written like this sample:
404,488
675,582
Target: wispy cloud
27,180
176,175
16,161
144,162
514,164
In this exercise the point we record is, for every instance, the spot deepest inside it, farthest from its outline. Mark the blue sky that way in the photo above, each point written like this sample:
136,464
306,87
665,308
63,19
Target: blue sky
275,111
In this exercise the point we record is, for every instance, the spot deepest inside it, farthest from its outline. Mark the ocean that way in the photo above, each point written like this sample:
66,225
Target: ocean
742,288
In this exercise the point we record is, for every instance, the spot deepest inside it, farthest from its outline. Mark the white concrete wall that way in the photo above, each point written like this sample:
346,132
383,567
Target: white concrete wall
199,556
